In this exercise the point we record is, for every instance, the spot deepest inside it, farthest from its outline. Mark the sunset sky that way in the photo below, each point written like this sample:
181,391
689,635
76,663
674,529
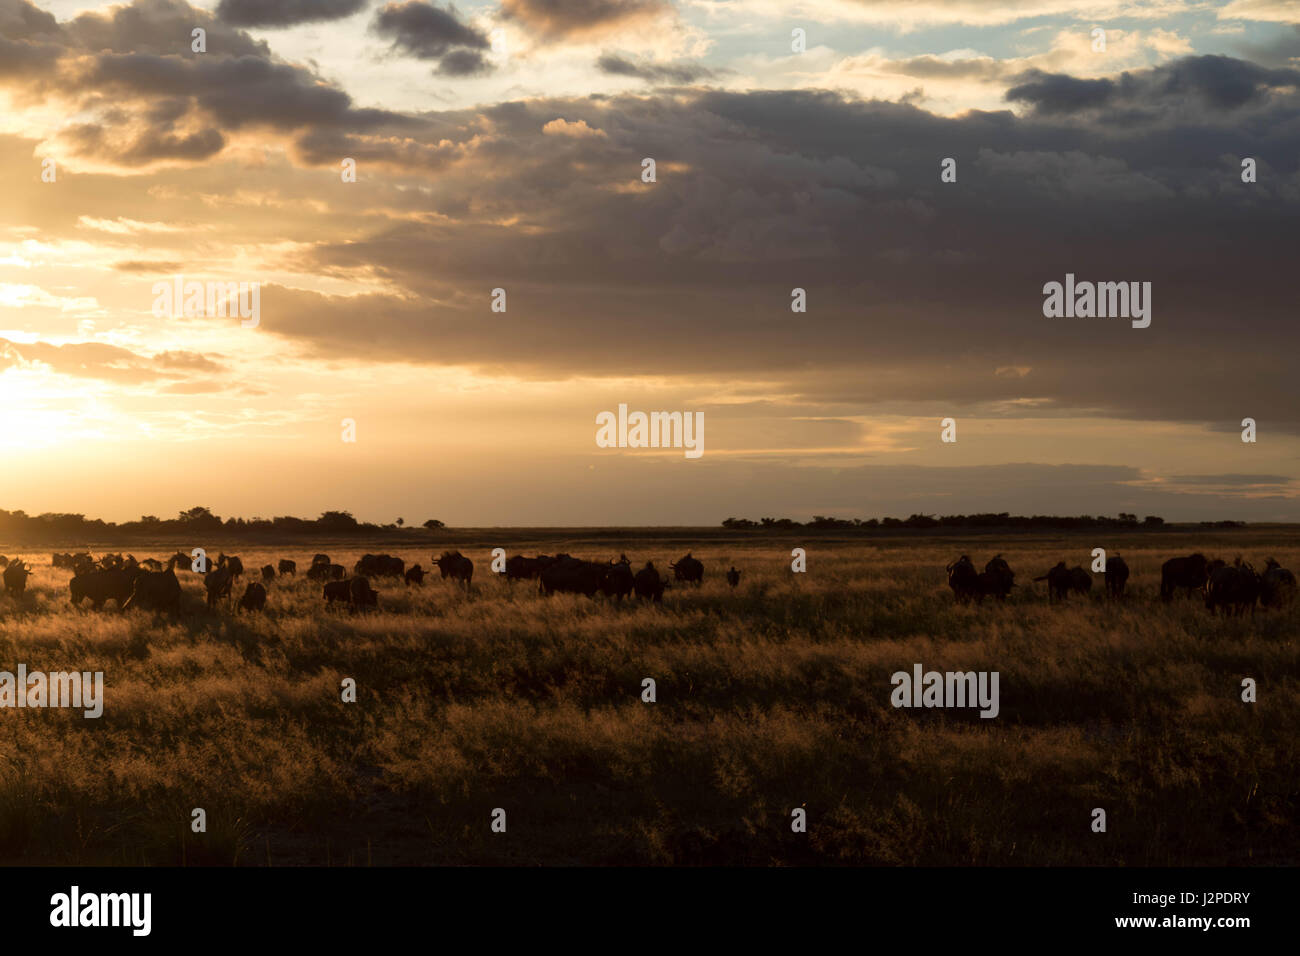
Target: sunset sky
500,145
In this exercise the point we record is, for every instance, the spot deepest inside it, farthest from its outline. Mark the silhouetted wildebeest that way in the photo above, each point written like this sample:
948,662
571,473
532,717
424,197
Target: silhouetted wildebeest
254,598
356,592
4,562
15,577
415,576
573,576
320,572
288,567
151,564
115,584
183,561
338,572
520,568
1233,588
963,579
1062,580
997,579
83,563
157,590
617,580
320,559
1116,575
268,573
337,591
361,593
733,576
1191,573
648,584
456,566
380,565
218,582
233,563
1277,585
61,560
688,570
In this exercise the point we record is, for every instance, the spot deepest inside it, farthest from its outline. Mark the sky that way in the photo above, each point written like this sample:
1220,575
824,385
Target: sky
501,146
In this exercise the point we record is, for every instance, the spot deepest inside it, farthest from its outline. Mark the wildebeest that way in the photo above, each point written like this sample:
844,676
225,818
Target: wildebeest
337,591
182,560
1232,587
1062,580
1277,585
254,598
573,576
1191,572
320,559
617,580
456,566
268,573
963,579
288,567
356,592
648,584
230,561
157,590
361,593
379,565
320,572
998,579
337,572
114,584
415,576
689,570
151,564
520,568
61,560
733,576
1116,575
218,582
15,577
4,562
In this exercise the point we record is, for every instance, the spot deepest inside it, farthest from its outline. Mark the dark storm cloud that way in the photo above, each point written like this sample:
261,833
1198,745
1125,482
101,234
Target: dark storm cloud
919,291
617,65
463,63
558,19
153,99
429,32
1217,82
284,13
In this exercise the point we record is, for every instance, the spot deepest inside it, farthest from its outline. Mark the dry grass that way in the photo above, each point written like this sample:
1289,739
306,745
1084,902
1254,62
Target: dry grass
770,697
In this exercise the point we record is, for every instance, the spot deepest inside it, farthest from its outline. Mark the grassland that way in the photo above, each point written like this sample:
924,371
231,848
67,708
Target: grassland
770,697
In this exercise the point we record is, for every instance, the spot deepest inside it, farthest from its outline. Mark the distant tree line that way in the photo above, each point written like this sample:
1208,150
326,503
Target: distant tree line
1002,519
18,525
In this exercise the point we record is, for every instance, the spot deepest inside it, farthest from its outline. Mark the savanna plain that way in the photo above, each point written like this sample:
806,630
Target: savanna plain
771,696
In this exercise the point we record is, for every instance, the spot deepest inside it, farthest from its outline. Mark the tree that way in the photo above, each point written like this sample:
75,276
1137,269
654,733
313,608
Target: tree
400,522
434,523
336,521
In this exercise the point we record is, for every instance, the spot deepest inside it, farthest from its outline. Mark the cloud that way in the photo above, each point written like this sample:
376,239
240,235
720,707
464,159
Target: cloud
285,13
580,19
429,32
616,65
99,360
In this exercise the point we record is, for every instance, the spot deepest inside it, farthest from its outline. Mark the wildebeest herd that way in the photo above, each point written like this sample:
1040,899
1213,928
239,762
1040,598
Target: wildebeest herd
153,585
1235,588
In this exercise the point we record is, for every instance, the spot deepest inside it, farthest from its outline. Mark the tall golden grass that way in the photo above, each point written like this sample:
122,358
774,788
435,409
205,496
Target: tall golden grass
770,697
